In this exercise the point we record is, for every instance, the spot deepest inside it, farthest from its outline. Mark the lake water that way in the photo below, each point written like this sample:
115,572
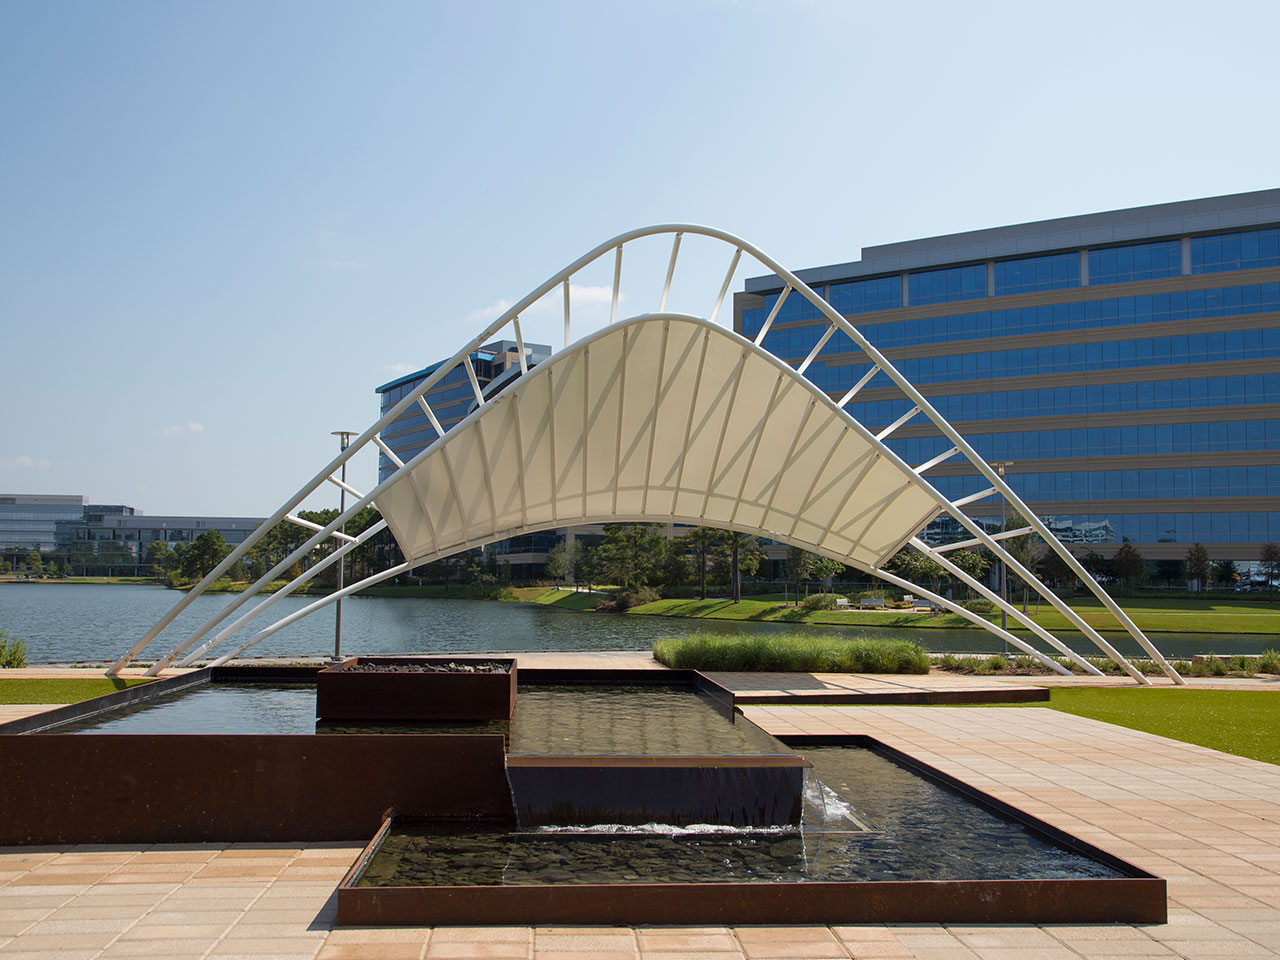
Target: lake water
98,622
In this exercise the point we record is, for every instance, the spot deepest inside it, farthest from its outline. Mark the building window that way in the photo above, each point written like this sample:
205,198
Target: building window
944,286
1235,251
1037,273
1143,261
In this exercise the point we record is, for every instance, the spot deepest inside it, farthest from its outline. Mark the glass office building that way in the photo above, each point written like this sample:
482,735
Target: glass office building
496,364
1126,365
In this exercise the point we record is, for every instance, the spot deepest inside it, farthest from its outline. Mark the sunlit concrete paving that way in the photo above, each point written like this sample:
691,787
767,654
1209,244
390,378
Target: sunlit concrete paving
1206,821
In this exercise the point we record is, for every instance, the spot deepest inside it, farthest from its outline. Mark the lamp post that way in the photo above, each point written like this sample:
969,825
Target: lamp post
1001,466
344,440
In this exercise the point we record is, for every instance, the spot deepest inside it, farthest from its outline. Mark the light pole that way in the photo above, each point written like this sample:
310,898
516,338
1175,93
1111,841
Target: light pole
1001,466
344,439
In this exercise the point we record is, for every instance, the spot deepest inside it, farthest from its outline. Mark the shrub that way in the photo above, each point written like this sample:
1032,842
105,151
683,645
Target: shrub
868,595
1243,664
636,596
819,601
13,651
979,605
789,653
1269,662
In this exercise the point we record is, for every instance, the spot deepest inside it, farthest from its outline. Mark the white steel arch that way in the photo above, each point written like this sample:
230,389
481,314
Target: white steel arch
661,417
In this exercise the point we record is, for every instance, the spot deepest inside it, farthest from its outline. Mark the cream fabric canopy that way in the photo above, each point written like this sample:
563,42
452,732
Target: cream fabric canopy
660,418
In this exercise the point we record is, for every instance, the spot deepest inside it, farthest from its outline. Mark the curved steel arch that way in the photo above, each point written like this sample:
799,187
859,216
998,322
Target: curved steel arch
661,417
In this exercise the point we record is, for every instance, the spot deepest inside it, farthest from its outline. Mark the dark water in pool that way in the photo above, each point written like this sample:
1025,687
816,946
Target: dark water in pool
874,821
584,719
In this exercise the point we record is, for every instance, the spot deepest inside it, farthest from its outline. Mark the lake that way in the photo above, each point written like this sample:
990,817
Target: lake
98,622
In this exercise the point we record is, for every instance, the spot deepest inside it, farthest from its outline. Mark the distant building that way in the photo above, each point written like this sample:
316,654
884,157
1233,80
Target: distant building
1126,364
496,364
31,520
69,527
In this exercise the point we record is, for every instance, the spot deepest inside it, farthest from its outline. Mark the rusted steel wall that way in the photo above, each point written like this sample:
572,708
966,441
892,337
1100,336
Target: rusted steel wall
103,788
351,695
1138,900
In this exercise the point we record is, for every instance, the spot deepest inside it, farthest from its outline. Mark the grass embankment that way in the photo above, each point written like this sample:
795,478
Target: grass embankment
1242,722
61,689
564,599
718,608
1154,615
798,653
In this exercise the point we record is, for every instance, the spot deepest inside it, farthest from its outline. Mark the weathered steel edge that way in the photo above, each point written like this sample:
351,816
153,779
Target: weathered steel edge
905,698
108,701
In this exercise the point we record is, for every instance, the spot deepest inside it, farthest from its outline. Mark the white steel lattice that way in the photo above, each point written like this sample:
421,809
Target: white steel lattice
660,417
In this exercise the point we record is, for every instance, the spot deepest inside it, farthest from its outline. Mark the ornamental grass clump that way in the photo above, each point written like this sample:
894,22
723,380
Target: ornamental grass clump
13,651
791,653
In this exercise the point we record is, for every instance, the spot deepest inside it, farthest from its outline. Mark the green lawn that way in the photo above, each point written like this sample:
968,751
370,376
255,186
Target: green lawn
1242,722
570,599
754,609
60,690
1168,616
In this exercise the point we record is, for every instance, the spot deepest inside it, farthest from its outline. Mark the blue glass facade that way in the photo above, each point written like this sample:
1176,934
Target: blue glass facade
451,399
1158,391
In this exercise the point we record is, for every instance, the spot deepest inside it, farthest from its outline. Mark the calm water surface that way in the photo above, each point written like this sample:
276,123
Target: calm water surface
100,621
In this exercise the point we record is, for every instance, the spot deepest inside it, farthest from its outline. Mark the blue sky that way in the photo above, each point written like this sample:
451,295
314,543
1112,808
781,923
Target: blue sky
222,225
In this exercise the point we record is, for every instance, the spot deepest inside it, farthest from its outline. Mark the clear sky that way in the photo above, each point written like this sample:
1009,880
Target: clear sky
223,224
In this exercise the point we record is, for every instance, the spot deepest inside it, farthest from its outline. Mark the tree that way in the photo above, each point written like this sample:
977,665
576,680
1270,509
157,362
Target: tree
160,557
208,550
1269,561
701,542
917,567
632,554
1224,573
973,562
1199,567
803,565
1097,566
34,563
675,566
561,560
747,553
1055,569
1128,565
1024,549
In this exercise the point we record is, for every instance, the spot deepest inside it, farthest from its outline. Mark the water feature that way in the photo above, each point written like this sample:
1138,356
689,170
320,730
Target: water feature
584,720
96,622
876,821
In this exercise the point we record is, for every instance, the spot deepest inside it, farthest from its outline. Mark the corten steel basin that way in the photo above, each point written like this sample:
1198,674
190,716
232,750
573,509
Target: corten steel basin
1135,897
346,694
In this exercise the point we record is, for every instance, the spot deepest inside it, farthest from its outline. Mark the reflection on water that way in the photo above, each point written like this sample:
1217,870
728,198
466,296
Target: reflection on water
98,622
876,821
549,720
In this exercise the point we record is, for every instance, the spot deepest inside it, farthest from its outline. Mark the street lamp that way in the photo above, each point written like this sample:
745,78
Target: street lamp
344,440
1001,466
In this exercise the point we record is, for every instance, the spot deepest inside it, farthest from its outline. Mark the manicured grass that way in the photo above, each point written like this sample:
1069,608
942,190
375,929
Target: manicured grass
571,599
1171,616
752,609
791,654
60,689
1242,722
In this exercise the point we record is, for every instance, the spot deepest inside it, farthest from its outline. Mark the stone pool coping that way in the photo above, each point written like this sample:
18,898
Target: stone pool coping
1209,822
